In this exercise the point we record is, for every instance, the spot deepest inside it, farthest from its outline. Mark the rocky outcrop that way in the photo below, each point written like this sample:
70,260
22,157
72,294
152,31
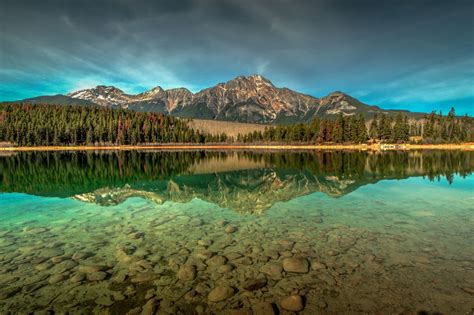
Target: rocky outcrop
245,99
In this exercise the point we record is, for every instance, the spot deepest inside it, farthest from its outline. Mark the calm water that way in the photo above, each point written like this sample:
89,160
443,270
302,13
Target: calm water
210,232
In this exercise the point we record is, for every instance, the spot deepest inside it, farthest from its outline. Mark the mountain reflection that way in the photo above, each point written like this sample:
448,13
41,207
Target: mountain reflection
247,182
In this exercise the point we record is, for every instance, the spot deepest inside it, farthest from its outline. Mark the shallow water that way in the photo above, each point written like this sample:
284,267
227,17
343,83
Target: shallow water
132,231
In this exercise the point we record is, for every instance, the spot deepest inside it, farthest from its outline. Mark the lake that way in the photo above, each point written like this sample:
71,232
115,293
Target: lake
212,232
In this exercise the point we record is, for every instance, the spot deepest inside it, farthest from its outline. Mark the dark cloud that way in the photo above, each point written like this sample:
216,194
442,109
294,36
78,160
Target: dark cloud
403,53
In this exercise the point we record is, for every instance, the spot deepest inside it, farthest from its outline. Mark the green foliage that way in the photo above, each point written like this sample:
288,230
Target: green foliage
33,125
345,129
434,128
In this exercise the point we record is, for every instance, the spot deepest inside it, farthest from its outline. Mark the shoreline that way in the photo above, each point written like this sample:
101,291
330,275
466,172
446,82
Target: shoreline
368,147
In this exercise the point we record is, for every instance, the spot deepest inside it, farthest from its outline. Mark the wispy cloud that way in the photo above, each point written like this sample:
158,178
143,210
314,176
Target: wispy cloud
401,54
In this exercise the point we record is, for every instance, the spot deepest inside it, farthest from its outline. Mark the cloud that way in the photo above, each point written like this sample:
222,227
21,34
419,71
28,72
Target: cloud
386,53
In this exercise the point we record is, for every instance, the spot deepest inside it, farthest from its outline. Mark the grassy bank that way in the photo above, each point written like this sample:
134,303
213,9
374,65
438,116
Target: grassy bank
372,147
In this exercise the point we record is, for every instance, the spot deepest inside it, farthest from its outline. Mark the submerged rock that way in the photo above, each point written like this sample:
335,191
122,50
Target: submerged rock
81,255
220,293
292,303
225,269
144,277
104,300
230,229
91,268
263,308
96,276
216,261
317,265
150,307
56,278
187,273
296,265
273,270
8,292
468,290
78,277
254,284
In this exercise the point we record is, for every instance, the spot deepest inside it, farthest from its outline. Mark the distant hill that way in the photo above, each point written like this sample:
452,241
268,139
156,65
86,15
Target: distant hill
58,99
231,129
251,99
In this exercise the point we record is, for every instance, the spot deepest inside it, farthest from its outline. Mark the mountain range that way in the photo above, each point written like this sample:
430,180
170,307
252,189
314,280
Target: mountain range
251,99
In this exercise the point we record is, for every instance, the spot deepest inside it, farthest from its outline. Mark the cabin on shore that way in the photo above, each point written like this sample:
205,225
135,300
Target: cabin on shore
388,146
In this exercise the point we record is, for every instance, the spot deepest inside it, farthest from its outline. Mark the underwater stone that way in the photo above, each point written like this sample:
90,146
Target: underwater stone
78,277
56,278
91,268
292,303
187,273
8,292
104,300
254,284
43,266
225,269
220,293
203,254
273,270
230,229
150,307
263,308
144,277
96,276
81,255
216,261
317,265
204,242
296,265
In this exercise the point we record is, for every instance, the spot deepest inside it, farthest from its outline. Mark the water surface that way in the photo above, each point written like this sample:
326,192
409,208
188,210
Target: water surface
119,231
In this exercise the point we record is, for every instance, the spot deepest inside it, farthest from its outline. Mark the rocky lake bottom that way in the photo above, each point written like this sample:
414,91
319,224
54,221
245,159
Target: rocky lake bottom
394,247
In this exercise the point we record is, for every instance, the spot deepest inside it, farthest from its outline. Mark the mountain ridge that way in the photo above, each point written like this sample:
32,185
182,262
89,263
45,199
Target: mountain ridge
251,99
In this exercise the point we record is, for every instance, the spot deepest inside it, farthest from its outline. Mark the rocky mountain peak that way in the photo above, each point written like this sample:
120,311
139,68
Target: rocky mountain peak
251,98
102,95
249,82
150,94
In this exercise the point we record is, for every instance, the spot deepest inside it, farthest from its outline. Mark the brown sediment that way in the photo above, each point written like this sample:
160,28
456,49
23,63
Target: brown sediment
372,147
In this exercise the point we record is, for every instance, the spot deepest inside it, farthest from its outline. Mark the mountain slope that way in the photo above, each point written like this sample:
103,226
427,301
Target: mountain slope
252,99
58,99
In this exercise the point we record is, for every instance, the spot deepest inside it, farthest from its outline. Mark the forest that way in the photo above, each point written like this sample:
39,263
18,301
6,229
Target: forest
37,125
434,128
33,125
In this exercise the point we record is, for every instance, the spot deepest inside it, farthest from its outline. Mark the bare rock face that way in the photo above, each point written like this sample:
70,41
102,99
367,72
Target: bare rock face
247,99
252,99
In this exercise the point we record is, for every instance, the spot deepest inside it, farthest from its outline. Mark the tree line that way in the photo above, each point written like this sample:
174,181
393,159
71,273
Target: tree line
434,128
33,125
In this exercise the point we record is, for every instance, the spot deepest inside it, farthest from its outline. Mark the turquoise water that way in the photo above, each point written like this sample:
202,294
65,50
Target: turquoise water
217,232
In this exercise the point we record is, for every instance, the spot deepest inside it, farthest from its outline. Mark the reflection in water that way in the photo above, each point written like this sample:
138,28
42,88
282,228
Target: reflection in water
330,229
247,182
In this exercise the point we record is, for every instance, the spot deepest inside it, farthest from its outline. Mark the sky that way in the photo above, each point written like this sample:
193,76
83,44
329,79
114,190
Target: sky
401,54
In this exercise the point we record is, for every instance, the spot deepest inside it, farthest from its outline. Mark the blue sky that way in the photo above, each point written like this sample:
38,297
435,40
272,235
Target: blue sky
415,55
